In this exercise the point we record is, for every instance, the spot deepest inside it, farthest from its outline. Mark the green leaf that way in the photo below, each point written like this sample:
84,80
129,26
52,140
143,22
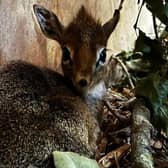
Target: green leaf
160,117
138,64
143,44
72,160
158,9
155,90
148,87
151,49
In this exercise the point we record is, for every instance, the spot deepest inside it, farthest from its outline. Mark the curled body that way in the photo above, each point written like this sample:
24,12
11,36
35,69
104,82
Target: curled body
42,111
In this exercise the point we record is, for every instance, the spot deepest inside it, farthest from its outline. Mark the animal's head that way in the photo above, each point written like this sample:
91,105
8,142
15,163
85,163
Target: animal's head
83,44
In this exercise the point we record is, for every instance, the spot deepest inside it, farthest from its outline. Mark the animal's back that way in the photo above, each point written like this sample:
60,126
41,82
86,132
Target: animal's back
40,111
33,122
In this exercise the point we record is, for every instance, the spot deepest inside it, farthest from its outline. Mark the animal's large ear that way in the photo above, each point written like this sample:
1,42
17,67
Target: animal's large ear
49,23
110,25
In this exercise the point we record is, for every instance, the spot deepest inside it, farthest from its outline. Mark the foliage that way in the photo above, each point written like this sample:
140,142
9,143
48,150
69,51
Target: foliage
155,91
72,160
153,86
158,8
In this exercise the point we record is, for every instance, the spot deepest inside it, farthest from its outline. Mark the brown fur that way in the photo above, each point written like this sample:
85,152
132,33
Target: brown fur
34,123
83,36
88,31
42,111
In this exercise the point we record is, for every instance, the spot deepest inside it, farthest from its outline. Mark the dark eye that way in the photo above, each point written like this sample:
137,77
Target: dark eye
102,58
66,58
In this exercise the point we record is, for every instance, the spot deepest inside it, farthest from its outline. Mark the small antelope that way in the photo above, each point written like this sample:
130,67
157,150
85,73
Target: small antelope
42,111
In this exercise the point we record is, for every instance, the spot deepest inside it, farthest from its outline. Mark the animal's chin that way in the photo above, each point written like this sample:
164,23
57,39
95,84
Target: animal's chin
82,91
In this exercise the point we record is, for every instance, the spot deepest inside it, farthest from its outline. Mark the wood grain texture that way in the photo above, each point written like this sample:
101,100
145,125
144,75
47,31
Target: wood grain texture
21,38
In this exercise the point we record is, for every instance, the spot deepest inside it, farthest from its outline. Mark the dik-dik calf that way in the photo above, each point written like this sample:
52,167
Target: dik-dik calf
42,111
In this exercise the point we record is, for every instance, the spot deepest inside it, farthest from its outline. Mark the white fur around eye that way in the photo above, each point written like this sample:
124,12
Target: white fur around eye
100,57
98,53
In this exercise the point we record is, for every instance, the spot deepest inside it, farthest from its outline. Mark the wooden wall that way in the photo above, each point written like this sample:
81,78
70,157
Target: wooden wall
21,38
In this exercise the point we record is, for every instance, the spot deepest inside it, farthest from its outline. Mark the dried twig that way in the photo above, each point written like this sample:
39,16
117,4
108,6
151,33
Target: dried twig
155,26
116,160
125,130
112,157
126,71
128,102
115,112
135,25
141,129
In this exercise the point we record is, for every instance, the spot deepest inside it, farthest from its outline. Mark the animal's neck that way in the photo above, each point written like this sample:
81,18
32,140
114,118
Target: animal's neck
97,91
94,99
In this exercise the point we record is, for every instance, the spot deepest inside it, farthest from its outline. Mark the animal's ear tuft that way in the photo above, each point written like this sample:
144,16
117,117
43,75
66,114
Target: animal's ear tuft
49,23
110,25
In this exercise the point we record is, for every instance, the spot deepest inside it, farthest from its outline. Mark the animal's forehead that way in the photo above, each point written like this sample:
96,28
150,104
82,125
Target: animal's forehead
84,30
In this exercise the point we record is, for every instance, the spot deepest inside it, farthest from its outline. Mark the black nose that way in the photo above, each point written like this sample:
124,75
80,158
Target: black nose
82,82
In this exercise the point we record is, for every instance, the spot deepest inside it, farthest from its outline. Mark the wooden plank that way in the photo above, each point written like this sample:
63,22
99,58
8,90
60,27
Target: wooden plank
21,38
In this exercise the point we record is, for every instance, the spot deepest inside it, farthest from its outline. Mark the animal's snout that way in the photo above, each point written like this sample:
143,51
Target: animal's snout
82,83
